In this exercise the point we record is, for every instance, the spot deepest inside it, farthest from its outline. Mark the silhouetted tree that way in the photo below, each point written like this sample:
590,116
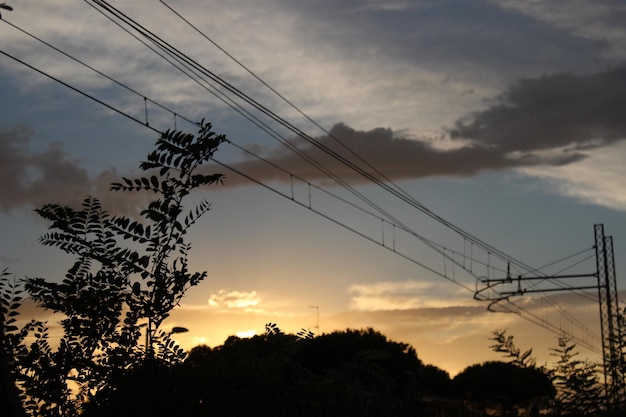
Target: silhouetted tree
503,384
349,373
504,344
10,302
372,359
619,383
127,277
579,392
578,388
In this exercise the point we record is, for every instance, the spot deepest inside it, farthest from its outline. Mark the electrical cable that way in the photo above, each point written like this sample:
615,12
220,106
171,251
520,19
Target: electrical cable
152,128
163,44
77,90
221,96
290,103
426,241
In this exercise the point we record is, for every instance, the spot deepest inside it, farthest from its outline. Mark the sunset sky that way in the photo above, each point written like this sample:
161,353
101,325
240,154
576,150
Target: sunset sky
500,122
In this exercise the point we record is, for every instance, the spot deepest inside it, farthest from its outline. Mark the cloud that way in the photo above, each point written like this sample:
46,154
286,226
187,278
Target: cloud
560,111
33,178
406,295
424,65
547,127
245,300
367,63
29,177
397,158
598,179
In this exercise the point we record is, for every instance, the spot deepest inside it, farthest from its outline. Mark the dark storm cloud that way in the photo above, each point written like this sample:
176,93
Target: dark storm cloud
555,111
34,178
397,158
548,121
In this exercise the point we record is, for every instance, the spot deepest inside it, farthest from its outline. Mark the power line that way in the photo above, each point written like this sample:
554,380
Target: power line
220,163
516,308
144,123
206,37
194,67
403,196
428,242
175,52
79,91
283,98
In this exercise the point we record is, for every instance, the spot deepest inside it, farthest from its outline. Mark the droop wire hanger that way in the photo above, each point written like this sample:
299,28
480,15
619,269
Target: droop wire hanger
146,124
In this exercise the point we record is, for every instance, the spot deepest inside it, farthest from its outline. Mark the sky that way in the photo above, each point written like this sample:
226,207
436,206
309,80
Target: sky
503,119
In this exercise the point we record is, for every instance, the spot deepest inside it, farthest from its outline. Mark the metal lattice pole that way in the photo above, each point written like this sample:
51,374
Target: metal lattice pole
609,316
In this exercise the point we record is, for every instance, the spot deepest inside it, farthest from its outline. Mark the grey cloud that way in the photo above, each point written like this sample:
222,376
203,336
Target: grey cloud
549,121
555,111
34,178
396,158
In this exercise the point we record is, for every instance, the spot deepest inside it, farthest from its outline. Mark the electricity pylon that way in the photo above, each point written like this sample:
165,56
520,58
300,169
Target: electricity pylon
613,343
612,354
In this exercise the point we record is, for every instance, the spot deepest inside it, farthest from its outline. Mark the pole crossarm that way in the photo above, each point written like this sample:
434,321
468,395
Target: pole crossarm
605,283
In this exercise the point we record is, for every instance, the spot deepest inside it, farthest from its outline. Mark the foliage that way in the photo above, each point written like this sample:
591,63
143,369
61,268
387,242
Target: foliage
355,372
579,392
10,301
620,406
578,389
504,344
506,384
128,275
10,337
365,357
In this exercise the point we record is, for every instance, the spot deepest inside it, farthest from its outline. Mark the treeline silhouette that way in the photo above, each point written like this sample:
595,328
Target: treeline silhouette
343,373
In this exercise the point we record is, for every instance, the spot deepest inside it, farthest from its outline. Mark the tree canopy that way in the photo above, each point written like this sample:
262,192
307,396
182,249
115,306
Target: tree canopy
501,384
343,373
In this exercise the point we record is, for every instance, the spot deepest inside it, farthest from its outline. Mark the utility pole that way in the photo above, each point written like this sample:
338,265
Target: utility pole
606,285
317,316
612,354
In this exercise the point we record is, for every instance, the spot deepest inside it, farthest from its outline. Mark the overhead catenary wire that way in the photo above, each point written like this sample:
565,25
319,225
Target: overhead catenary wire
300,111
73,58
233,105
78,90
403,195
119,111
431,243
514,309
367,175
186,61
137,120
285,99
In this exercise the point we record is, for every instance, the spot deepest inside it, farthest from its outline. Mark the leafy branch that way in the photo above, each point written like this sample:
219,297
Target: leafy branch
505,344
127,276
